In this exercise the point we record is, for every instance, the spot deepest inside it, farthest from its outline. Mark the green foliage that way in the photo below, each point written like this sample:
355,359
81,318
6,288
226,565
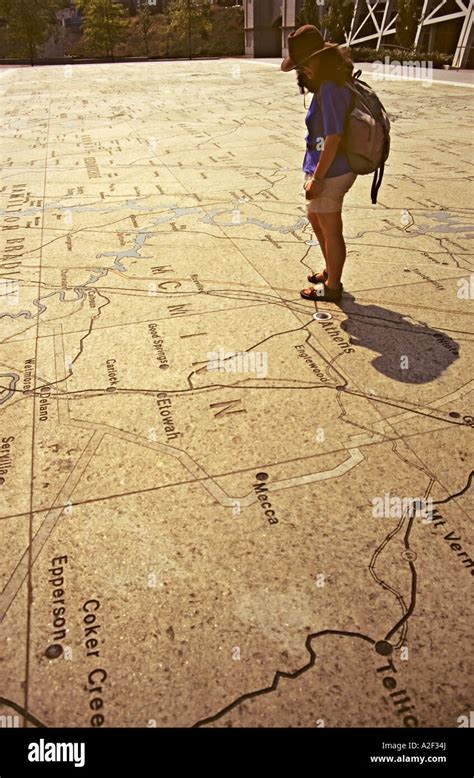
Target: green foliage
337,21
365,54
216,30
29,23
104,26
406,22
145,22
189,26
227,34
311,13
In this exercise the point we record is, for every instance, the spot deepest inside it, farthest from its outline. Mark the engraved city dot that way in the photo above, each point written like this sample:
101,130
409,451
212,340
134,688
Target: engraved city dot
383,648
52,652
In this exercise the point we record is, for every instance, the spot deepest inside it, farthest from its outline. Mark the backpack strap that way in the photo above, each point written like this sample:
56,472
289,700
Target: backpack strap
354,95
378,177
376,182
349,110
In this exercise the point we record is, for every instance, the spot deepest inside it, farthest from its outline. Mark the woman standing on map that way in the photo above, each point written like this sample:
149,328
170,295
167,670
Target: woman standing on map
324,68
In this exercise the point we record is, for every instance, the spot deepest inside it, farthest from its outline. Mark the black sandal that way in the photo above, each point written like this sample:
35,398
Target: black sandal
323,294
318,278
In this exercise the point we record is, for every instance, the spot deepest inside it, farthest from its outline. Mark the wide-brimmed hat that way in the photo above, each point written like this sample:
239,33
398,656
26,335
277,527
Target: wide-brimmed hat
303,44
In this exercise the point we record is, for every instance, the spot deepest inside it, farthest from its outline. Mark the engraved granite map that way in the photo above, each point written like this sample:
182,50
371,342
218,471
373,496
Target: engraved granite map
217,509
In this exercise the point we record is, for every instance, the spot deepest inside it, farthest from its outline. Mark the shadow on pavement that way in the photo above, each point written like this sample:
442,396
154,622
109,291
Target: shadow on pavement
412,353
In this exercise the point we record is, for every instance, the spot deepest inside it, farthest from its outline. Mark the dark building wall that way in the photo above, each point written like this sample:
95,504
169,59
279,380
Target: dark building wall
261,38
290,10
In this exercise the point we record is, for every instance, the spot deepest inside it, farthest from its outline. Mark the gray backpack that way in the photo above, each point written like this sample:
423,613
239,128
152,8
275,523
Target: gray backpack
366,138
367,135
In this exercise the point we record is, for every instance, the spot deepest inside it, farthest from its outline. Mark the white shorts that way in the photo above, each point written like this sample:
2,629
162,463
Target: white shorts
332,193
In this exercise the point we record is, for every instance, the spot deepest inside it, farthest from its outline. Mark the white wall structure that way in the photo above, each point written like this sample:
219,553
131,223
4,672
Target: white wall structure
437,12
374,22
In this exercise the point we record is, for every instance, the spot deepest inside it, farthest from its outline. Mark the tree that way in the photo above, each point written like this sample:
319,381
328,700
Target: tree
311,13
144,22
30,23
337,21
406,22
104,25
189,21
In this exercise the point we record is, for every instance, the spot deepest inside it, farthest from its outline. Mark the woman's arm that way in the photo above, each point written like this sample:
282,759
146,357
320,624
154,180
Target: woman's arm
313,185
331,144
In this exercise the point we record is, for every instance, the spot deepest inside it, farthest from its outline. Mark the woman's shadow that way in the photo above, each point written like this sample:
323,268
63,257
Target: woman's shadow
412,353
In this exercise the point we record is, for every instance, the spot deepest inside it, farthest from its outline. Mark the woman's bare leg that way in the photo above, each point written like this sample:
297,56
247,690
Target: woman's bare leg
331,227
314,221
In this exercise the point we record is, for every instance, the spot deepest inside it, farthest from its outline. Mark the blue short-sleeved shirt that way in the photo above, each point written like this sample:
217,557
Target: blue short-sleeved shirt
327,119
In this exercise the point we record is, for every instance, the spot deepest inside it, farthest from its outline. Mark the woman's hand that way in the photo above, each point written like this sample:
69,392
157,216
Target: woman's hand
313,188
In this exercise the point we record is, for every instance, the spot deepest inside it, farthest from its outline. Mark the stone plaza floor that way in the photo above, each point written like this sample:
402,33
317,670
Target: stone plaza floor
206,493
